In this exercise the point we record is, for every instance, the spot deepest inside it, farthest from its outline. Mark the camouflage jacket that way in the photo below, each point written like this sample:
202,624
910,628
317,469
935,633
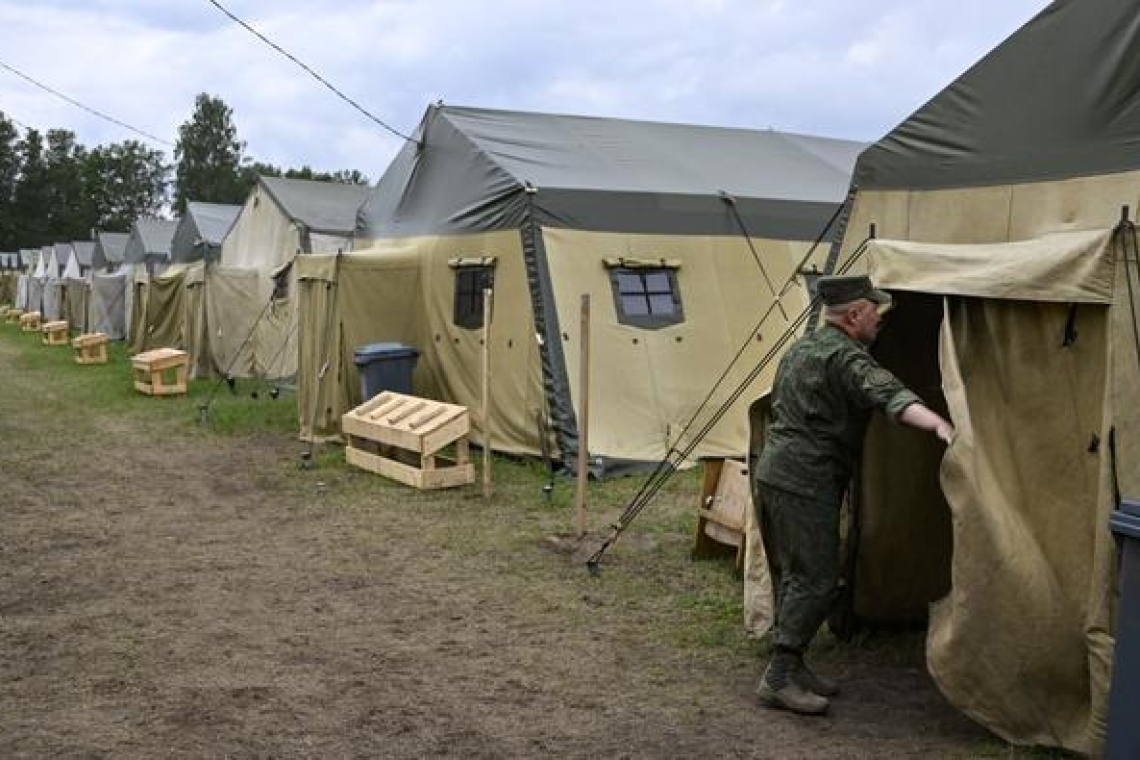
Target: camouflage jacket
826,386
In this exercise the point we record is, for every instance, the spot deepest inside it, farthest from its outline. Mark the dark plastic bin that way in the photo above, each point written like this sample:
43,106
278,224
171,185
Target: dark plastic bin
1124,695
385,367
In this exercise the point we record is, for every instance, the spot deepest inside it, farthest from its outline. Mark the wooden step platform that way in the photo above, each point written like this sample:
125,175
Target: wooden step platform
153,368
721,514
90,348
12,315
400,437
30,321
55,333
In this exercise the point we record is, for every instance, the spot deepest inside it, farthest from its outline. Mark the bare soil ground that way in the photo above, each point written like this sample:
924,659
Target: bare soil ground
169,591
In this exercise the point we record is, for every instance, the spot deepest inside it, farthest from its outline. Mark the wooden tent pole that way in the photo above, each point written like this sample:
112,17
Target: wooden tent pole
487,393
583,416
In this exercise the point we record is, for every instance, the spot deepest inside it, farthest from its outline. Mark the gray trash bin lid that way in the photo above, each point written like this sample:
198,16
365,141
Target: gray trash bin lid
382,352
1125,520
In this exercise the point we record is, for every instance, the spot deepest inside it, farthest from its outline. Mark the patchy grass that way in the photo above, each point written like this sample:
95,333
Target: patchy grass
520,545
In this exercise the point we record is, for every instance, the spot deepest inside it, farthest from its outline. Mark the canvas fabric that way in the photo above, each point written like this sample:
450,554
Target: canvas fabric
108,305
1003,527
22,292
75,299
52,300
647,384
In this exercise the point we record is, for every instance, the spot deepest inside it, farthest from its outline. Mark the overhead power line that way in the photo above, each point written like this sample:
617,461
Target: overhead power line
311,73
86,108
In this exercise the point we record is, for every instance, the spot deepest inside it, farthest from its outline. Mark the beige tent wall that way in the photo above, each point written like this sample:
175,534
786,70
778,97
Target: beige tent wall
262,237
403,291
248,335
1022,642
194,337
647,384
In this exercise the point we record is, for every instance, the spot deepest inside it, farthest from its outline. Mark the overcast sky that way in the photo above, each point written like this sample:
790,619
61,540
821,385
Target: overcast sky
838,68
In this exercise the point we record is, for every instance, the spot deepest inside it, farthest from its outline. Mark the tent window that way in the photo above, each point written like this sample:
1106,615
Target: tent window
647,297
470,281
281,282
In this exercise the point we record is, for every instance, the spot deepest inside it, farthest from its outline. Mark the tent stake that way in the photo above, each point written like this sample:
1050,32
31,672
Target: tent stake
583,417
486,393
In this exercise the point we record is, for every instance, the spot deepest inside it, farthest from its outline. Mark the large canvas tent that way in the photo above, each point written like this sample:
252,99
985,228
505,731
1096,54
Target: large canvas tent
110,287
197,241
997,205
681,235
156,286
250,291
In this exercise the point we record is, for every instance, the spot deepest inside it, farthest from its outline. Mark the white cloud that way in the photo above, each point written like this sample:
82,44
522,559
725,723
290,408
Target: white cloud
819,66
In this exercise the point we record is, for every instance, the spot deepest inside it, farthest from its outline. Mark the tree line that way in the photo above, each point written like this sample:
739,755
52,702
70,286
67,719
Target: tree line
54,189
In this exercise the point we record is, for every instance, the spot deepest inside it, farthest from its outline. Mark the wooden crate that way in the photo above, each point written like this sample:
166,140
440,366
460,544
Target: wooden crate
400,437
90,348
30,321
12,315
153,368
725,495
55,333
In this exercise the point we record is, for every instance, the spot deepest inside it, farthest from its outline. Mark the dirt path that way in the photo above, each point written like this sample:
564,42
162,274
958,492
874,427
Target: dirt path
194,595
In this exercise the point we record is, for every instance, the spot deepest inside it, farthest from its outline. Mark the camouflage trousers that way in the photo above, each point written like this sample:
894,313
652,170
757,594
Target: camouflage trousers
801,539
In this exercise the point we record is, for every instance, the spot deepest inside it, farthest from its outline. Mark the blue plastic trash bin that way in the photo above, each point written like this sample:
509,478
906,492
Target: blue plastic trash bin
1124,695
385,367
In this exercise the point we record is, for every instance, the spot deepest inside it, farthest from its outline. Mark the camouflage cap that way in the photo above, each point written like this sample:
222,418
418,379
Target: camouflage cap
836,290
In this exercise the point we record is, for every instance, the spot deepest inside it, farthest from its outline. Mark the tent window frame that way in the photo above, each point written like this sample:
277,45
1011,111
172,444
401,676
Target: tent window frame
470,281
647,297
281,282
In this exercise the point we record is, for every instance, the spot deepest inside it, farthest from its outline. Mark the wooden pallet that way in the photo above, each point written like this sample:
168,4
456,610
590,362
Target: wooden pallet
721,514
400,437
55,333
152,368
90,348
30,321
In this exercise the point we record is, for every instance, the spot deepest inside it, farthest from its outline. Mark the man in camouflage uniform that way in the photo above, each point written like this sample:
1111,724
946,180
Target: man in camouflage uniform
826,387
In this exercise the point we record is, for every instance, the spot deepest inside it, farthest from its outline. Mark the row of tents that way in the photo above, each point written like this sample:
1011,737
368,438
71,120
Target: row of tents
999,213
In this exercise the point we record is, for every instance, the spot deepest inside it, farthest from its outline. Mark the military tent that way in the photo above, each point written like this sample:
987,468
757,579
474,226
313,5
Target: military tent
250,291
29,260
110,290
156,285
998,209
196,243
58,257
682,236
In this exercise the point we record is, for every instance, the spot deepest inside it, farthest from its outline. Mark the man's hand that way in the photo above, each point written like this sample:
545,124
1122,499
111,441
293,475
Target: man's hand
920,416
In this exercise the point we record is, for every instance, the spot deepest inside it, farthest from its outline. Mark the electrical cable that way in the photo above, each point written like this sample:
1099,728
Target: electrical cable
86,108
312,73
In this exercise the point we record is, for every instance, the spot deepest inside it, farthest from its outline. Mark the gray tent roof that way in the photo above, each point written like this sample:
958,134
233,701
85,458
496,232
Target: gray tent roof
474,167
201,231
84,251
8,260
63,252
109,247
1059,98
329,207
149,238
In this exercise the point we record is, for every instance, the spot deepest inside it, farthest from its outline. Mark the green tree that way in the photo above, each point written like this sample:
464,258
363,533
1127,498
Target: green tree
63,164
31,196
209,156
124,181
9,173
